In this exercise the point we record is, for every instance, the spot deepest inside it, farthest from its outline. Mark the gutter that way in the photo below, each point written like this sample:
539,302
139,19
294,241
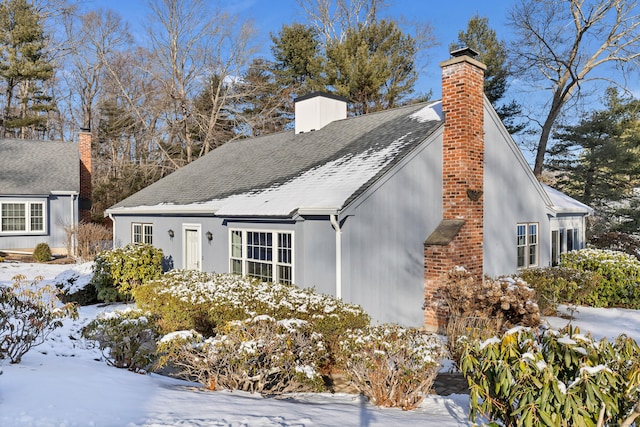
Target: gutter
336,225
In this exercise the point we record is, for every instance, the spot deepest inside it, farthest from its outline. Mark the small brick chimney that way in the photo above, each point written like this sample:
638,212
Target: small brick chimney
84,145
457,241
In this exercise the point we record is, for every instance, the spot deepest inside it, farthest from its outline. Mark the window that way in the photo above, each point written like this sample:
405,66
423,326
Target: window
25,217
267,255
142,233
570,241
527,245
555,248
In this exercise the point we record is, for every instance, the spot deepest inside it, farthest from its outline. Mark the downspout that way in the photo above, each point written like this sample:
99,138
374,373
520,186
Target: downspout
336,226
113,231
74,236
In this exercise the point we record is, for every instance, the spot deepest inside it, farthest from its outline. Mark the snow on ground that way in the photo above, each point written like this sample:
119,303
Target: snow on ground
65,383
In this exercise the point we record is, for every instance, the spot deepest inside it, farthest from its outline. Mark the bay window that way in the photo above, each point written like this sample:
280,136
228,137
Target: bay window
266,255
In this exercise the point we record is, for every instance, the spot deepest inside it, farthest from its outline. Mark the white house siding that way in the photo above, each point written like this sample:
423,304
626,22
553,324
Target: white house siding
511,196
384,234
60,211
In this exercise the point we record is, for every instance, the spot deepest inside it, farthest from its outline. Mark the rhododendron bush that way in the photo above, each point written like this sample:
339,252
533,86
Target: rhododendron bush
260,355
205,302
29,312
532,377
391,365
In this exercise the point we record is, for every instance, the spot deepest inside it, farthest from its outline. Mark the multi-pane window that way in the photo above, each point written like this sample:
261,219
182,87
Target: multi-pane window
267,255
570,241
26,217
142,233
527,245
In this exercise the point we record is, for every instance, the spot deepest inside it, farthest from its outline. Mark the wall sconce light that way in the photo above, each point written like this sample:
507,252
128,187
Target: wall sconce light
171,234
209,236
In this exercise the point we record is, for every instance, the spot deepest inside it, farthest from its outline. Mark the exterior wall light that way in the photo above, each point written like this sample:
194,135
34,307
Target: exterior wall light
171,234
209,236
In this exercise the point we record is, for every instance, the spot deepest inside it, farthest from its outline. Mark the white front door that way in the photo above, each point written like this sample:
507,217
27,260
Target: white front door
192,249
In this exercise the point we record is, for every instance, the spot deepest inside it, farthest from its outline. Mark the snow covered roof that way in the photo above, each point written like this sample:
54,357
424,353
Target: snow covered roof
281,174
38,167
565,204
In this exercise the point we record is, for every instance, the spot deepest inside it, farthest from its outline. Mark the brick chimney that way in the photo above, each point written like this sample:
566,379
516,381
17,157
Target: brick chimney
457,241
84,145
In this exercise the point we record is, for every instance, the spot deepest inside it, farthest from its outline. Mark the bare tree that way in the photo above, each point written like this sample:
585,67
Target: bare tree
100,35
332,18
189,45
561,44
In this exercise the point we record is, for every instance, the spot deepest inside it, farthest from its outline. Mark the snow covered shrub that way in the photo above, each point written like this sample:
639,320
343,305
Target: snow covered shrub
617,241
42,252
559,285
75,285
259,355
117,272
127,338
547,377
205,301
391,365
618,273
479,309
29,312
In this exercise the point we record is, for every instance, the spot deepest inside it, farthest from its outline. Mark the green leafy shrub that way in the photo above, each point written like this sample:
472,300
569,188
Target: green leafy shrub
618,276
29,312
117,272
559,285
391,365
42,252
259,355
127,338
206,301
556,378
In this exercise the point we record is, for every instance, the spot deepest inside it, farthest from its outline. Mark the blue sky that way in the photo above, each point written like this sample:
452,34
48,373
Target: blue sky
446,18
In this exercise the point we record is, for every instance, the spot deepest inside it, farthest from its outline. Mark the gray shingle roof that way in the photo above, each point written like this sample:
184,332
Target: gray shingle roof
326,168
38,167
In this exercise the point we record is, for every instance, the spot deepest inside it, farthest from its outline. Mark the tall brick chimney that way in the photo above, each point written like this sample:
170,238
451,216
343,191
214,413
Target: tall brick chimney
457,241
84,145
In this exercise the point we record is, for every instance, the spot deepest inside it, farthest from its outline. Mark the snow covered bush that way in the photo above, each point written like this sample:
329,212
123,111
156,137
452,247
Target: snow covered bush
207,301
531,377
559,285
29,312
126,337
75,285
479,309
618,276
259,355
117,272
391,365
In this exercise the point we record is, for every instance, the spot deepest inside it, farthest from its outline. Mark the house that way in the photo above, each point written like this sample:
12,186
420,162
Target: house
45,187
371,209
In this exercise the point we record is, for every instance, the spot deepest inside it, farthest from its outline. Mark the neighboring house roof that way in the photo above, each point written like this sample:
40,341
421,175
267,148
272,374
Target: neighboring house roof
30,167
565,204
282,173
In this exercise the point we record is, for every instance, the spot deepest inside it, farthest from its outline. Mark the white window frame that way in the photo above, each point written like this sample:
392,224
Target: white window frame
530,245
146,232
242,258
28,226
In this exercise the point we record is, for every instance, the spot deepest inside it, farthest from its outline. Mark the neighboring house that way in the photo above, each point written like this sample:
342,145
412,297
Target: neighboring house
45,187
371,209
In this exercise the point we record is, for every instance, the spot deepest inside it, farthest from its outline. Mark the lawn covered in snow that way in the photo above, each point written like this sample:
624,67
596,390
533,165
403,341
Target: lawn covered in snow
64,382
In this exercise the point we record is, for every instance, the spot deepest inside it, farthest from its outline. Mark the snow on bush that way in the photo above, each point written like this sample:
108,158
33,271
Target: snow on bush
258,355
548,377
391,365
29,312
204,302
618,276
126,337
